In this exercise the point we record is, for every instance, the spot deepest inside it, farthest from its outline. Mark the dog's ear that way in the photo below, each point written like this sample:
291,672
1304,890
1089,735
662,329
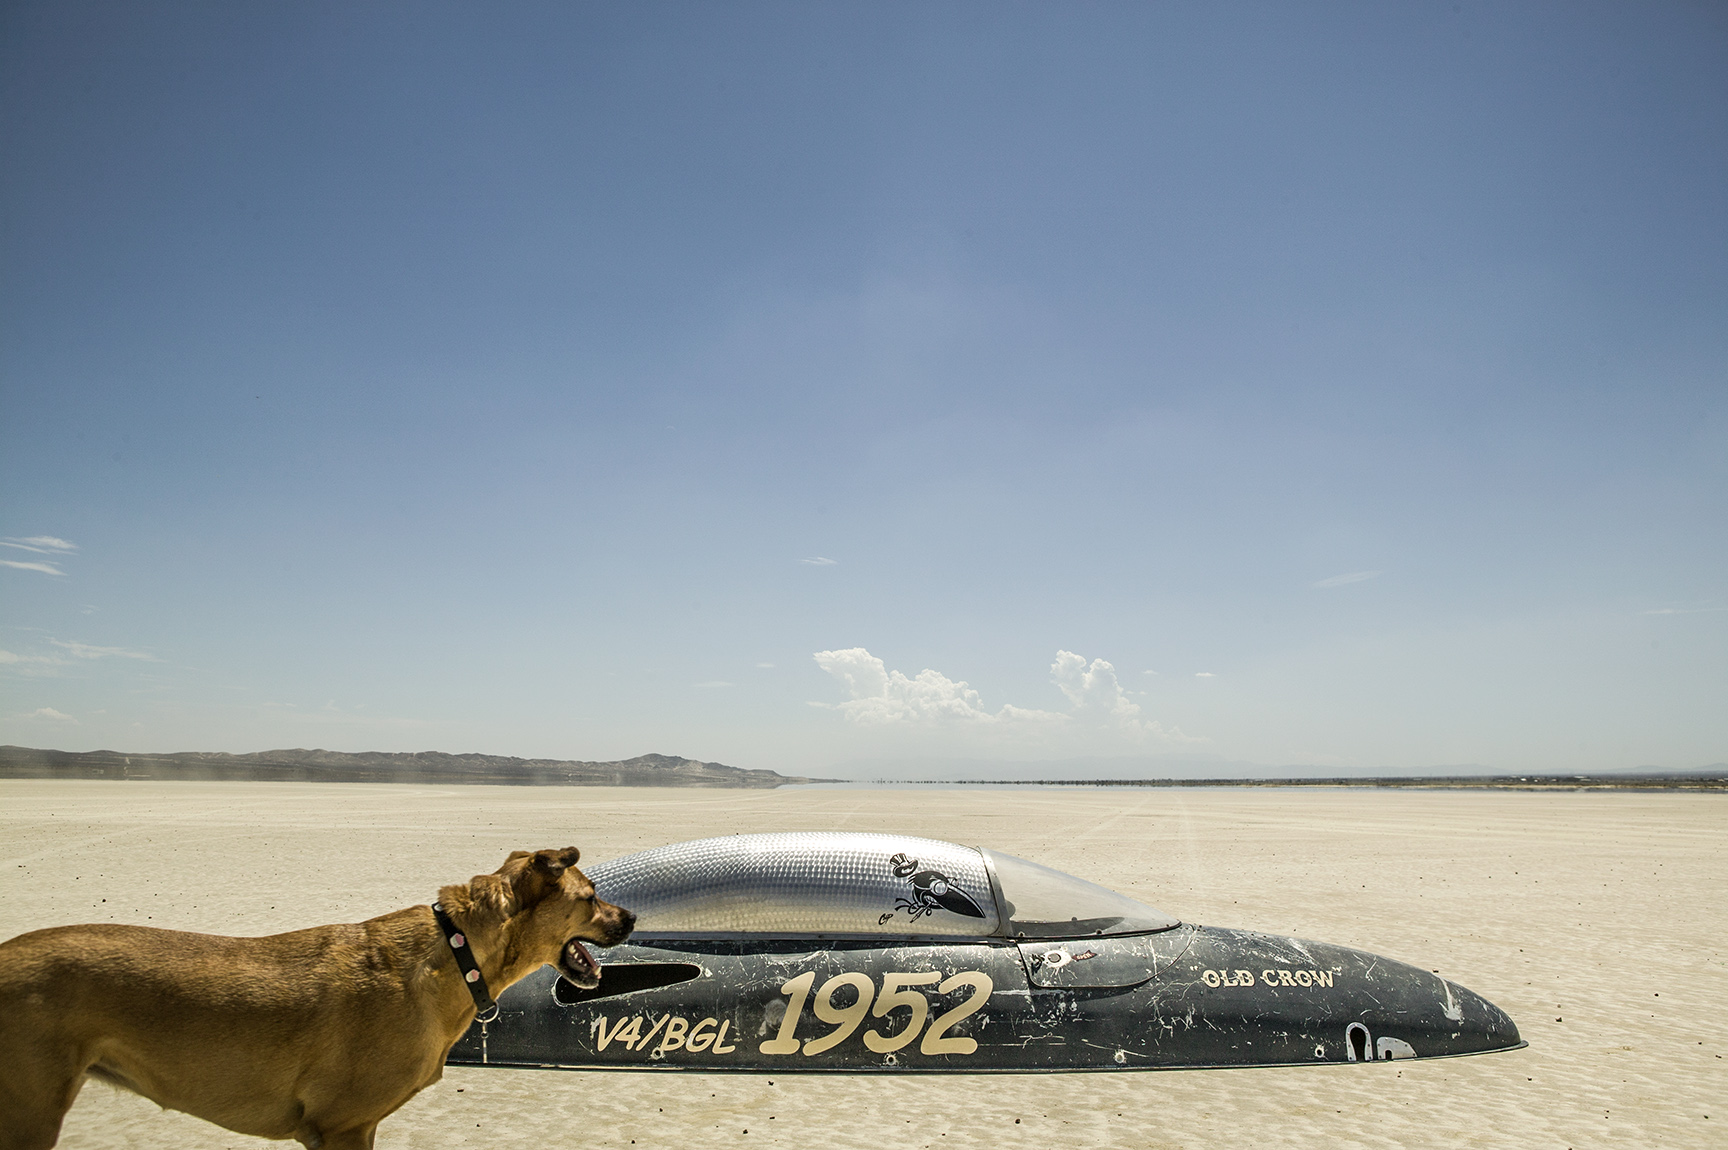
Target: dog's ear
493,893
536,875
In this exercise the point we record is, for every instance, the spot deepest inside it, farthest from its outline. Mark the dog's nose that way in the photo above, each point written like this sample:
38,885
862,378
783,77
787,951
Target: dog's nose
626,923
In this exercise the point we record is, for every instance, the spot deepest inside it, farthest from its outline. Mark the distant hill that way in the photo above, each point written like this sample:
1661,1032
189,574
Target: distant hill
319,766
1714,778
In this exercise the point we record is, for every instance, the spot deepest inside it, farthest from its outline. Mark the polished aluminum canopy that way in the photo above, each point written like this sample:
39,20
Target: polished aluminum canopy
838,883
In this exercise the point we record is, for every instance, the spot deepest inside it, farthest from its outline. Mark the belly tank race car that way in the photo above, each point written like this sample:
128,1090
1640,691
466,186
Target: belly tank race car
854,952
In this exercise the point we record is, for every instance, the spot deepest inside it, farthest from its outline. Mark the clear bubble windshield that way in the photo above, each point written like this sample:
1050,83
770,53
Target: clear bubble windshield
1038,902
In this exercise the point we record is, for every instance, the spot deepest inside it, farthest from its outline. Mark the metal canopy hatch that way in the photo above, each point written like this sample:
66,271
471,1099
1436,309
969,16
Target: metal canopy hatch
854,884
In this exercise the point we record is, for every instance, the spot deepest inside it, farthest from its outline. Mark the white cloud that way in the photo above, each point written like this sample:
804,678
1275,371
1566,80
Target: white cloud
41,544
86,651
1681,610
45,568
1092,688
1204,675
50,714
713,684
820,561
1099,698
35,666
881,697
764,666
1352,577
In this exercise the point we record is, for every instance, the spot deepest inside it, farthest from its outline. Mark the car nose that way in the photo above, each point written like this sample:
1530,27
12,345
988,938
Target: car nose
1480,1024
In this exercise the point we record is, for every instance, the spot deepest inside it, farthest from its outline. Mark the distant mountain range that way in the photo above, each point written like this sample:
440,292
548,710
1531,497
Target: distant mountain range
1217,771
319,766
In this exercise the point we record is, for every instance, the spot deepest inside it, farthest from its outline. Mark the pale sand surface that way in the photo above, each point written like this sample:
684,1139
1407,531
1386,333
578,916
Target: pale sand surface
1597,921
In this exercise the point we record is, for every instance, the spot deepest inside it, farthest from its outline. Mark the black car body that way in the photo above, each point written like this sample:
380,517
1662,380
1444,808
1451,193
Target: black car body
841,951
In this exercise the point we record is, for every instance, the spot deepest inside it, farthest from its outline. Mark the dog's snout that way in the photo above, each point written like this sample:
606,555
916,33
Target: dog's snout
622,924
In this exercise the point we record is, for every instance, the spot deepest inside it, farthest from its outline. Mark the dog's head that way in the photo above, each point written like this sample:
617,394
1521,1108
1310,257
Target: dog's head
550,910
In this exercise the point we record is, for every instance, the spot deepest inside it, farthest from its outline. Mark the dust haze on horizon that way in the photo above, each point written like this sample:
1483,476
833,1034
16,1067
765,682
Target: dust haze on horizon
1341,388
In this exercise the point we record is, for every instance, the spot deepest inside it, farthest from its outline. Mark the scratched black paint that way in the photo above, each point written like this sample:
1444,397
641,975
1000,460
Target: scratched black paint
1185,997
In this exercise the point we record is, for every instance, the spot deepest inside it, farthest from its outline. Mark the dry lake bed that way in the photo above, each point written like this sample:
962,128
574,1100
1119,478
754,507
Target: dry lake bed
1599,921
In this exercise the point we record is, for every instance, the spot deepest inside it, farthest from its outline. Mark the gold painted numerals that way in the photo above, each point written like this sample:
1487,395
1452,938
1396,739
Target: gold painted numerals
799,990
844,1019
892,998
933,1042
897,993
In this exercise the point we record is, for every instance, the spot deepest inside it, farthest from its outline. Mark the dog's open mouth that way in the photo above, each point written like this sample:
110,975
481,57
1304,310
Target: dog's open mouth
578,965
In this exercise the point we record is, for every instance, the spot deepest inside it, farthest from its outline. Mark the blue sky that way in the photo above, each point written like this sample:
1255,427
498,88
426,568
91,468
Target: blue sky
808,385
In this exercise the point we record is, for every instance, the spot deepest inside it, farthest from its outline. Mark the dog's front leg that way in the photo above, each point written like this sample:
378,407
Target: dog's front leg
354,1138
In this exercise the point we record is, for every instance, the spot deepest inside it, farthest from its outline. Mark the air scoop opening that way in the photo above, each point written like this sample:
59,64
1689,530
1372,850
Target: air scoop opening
626,978
578,965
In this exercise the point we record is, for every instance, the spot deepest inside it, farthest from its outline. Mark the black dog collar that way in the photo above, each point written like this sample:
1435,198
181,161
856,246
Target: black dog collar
471,976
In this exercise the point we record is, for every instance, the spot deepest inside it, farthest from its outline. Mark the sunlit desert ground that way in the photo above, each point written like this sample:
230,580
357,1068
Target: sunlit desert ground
1598,921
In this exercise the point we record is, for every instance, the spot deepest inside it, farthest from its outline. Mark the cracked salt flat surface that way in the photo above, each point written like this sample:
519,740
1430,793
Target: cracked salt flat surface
1596,920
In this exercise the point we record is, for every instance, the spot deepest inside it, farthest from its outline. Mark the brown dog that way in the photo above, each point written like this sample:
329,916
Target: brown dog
315,1035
